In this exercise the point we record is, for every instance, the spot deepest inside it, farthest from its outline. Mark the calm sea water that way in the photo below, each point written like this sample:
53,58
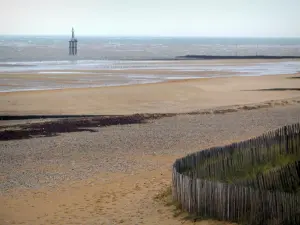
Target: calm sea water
55,48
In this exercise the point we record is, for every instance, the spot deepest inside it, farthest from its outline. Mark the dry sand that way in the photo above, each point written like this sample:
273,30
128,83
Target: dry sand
113,175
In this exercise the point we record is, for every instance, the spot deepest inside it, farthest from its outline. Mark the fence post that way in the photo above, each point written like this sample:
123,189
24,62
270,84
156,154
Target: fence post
266,198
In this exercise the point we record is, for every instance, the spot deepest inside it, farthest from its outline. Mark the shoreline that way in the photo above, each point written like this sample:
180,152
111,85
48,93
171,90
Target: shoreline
168,80
191,57
117,74
132,84
176,96
235,75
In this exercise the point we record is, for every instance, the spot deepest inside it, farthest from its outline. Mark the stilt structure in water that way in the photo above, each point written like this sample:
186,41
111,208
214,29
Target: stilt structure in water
73,44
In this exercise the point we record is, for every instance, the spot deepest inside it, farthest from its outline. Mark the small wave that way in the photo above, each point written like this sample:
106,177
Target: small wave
64,72
184,77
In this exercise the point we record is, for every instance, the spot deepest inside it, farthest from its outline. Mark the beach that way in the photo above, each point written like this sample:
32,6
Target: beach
113,173
172,96
53,75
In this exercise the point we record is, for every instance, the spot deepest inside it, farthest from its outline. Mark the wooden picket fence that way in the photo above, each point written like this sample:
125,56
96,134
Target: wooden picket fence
254,182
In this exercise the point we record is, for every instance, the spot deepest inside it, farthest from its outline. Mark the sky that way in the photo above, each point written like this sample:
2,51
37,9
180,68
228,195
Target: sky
210,18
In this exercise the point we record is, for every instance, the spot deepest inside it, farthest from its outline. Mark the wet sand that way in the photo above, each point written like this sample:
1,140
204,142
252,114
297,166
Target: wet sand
167,97
86,74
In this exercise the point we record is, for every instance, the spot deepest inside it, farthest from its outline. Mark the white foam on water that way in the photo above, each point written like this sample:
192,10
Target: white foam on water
142,76
63,72
184,77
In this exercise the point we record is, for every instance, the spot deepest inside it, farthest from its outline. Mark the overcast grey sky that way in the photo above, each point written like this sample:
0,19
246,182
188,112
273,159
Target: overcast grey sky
254,18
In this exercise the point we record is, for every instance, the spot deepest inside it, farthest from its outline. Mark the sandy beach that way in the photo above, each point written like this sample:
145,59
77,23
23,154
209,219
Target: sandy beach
113,174
171,96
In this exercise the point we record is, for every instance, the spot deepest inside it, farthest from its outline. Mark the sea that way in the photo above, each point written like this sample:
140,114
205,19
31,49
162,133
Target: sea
49,54
55,48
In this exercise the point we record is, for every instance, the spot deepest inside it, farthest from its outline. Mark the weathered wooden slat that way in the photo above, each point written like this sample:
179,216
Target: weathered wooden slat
196,180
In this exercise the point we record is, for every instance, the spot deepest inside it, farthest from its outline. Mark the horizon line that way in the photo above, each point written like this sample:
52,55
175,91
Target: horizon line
147,36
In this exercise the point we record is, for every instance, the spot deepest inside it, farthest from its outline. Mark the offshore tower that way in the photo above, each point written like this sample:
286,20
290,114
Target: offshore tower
73,44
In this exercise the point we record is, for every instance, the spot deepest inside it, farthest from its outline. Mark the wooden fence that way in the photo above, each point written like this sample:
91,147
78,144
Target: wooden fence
254,182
